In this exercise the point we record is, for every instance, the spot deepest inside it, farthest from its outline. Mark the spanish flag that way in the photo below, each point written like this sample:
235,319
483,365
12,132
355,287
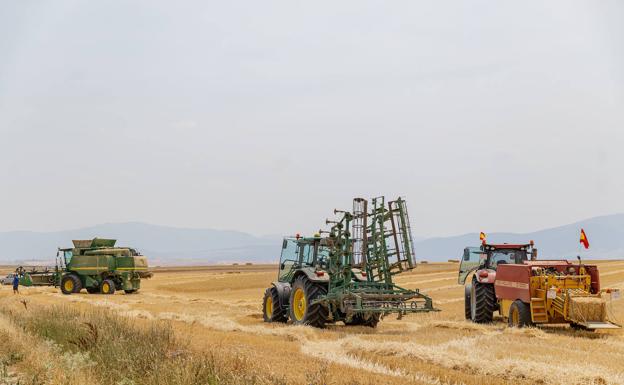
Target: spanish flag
482,236
584,239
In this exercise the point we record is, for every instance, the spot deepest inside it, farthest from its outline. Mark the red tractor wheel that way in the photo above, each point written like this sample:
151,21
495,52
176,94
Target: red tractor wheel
482,302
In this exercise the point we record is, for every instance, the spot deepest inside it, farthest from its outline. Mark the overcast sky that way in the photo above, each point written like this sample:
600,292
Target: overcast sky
264,116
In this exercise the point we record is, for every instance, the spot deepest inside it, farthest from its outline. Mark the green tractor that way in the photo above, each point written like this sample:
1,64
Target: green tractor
347,275
99,267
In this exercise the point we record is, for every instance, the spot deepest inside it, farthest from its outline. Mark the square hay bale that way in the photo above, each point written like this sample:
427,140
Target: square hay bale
588,309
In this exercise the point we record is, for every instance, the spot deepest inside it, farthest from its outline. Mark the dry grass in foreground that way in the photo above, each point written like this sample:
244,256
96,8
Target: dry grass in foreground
63,345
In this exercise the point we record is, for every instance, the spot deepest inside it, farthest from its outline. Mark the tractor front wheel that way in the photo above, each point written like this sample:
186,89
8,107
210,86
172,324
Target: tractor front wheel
70,284
302,311
272,310
467,291
519,314
482,302
107,287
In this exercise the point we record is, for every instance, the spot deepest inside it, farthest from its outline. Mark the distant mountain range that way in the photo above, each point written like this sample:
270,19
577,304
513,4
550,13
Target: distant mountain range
605,233
170,245
162,244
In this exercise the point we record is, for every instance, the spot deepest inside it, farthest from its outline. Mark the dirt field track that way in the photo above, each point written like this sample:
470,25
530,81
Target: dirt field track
219,310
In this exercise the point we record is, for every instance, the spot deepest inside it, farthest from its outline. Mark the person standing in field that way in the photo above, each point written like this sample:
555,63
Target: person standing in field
16,284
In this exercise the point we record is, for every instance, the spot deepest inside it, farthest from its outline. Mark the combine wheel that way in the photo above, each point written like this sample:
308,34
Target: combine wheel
301,296
272,311
519,314
70,284
107,287
482,302
467,291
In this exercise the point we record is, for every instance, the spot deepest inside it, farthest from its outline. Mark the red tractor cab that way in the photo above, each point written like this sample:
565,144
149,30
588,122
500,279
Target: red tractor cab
480,297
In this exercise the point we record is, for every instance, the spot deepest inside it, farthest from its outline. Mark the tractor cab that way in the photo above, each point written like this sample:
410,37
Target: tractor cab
309,253
490,256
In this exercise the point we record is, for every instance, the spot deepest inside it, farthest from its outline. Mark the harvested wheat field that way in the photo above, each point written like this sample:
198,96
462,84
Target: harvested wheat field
204,325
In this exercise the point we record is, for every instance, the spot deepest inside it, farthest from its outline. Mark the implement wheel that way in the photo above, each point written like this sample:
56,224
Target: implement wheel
70,284
302,312
359,319
519,314
467,291
272,310
131,291
107,287
482,302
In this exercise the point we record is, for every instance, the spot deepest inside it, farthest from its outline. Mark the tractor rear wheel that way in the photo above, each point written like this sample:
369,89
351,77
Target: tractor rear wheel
272,310
467,291
107,287
302,312
482,302
70,284
519,314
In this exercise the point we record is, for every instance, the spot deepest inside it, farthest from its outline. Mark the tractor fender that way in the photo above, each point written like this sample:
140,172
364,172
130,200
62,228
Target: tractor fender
485,276
321,276
283,292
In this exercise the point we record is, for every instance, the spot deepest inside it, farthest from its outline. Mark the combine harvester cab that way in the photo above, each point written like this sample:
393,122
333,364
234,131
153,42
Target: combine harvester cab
347,275
99,267
554,292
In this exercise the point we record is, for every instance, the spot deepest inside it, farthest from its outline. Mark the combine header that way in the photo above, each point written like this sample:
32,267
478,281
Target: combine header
347,275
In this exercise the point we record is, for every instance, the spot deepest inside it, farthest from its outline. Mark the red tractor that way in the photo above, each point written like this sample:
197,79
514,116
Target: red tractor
480,296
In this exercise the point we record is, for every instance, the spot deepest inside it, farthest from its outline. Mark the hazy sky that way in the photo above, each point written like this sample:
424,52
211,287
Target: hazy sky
263,116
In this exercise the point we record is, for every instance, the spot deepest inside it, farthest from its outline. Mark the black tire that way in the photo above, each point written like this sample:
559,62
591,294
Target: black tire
360,320
70,283
482,302
519,314
467,291
314,315
131,291
107,287
93,290
272,309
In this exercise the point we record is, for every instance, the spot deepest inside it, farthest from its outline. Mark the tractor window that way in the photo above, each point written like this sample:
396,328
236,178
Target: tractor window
500,257
322,257
290,256
307,251
470,260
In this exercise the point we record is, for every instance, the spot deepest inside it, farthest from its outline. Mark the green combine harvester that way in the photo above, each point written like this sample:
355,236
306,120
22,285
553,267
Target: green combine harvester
347,275
99,267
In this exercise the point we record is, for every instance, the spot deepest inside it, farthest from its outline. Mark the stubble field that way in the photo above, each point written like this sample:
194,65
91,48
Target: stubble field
215,312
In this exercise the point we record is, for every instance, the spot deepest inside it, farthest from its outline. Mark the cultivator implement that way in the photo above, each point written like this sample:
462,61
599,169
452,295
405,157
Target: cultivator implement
372,245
